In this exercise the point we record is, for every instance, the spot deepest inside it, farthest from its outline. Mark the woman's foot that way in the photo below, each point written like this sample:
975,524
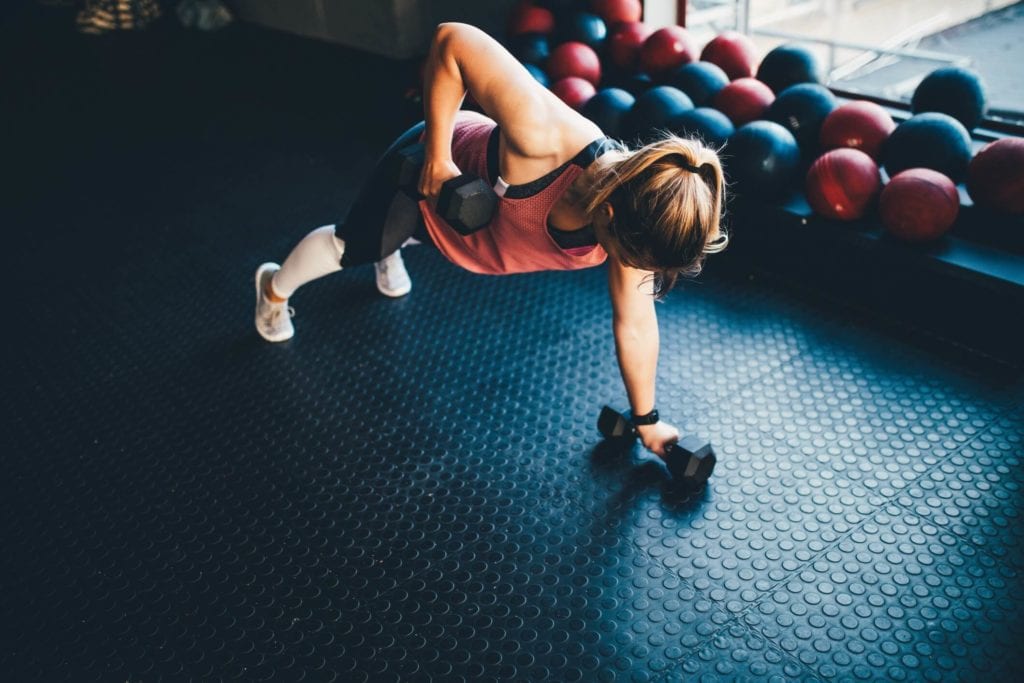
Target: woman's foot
392,278
273,318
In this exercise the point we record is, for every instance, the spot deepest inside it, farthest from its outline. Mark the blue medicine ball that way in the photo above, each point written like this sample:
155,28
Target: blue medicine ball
530,48
931,140
608,108
801,109
952,90
654,111
704,123
788,65
762,158
701,81
538,74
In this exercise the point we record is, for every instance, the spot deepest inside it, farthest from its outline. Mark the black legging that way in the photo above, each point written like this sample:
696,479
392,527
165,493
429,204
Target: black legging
382,217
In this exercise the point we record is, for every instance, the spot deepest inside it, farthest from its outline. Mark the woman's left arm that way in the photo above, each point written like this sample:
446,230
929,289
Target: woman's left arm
635,325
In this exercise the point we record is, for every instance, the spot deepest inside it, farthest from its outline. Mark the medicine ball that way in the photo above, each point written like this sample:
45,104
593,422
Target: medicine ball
802,109
744,100
530,48
859,125
762,158
842,184
995,177
666,50
952,90
653,111
789,65
624,43
919,205
573,90
608,109
701,81
709,125
933,140
732,52
583,27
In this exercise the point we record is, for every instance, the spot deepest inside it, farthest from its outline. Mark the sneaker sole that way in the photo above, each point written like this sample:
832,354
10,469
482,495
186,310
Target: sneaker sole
270,338
394,293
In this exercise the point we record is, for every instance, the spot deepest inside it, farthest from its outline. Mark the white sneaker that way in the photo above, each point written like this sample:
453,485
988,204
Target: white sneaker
273,321
392,278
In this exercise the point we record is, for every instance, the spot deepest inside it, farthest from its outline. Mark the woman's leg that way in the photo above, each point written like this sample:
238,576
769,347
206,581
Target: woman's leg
317,254
381,219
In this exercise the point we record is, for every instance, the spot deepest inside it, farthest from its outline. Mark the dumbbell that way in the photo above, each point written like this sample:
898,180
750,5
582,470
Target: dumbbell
467,202
690,461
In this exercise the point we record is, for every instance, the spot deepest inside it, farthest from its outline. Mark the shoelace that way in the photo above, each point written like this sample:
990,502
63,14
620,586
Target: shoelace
276,314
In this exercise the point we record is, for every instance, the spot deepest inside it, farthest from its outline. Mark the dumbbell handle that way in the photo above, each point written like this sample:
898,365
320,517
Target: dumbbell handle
615,424
475,210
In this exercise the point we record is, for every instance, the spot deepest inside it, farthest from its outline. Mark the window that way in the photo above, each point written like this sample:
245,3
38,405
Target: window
881,48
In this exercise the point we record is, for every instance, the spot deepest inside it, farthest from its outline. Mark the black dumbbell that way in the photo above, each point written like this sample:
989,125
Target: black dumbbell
467,202
690,461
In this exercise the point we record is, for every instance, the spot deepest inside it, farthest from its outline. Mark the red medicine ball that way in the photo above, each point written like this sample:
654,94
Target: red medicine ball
617,11
666,50
919,205
861,125
744,100
733,53
574,59
528,18
574,91
995,177
624,43
842,184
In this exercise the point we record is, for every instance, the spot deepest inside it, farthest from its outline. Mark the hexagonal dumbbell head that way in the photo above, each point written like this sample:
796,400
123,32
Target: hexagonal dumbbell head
467,203
614,425
691,461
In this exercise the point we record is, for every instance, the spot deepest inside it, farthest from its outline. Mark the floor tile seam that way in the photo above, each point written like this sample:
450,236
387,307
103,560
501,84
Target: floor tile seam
723,607
940,461
782,582
923,473
678,661
776,585
868,519
738,621
979,548
697,592
759,377
893,499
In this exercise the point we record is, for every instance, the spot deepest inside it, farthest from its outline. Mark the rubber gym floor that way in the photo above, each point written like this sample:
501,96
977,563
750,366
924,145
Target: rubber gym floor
415,489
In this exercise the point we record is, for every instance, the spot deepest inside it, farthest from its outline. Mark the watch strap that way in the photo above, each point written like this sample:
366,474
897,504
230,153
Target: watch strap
648,419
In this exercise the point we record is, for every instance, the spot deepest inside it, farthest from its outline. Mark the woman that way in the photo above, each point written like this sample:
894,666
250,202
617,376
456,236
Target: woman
570,198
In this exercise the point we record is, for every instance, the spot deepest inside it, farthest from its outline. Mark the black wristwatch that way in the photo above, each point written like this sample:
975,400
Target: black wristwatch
648,419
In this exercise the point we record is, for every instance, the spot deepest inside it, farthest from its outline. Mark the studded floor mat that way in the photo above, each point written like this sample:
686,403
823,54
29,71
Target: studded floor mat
415,489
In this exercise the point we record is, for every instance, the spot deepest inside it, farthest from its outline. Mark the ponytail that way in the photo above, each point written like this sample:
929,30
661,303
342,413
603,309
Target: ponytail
667,200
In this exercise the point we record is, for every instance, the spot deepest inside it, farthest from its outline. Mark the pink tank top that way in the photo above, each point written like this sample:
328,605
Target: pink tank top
517,238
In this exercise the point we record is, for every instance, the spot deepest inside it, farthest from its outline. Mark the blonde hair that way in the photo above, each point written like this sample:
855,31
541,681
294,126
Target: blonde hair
667,199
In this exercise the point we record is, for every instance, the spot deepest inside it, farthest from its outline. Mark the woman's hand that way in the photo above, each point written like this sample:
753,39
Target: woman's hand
434,175
658,437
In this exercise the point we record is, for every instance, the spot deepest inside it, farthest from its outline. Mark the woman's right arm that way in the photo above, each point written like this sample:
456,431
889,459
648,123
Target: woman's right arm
464,59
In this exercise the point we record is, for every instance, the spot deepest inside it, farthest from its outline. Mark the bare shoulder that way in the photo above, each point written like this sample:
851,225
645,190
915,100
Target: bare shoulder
544,140
535,124
553,129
